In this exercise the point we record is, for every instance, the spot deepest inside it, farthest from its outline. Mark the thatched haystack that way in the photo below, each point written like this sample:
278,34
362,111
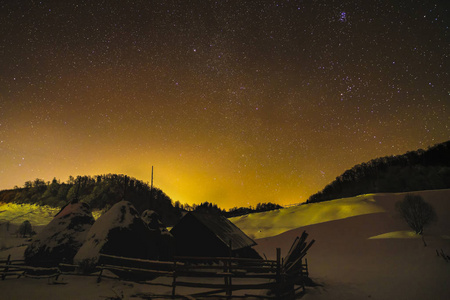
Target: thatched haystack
120,232
61,239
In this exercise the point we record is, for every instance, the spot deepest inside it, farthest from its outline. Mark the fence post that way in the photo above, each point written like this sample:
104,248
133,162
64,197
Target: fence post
5,270
99,278
228,283
278,273
174,281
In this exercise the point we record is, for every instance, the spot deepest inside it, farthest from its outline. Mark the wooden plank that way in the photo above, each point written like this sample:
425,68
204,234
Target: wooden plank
208,293
41,276
28,268
297,248
120,268
15,273
220,275
233,259
199,274
156,262
235,268
297,264
68,265
296,253
292,249
234,287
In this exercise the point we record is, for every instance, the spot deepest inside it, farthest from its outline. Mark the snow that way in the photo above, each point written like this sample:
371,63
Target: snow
118,216
351,264
401,234
271,223
121,215
363,250
38,215
63,236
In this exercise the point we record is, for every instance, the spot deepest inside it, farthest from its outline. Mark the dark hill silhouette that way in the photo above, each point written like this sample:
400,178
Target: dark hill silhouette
100,192
415,170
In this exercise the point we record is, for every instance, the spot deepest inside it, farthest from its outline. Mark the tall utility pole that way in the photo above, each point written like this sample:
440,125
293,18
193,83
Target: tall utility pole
151,188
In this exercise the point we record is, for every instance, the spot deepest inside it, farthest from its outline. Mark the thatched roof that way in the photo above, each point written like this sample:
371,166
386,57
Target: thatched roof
221,227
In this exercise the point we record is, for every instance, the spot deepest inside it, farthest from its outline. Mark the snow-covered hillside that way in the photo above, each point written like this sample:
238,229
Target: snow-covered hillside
363,250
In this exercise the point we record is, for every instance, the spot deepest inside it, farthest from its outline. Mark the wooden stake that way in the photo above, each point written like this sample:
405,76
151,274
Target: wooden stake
5,270
174,281
278,274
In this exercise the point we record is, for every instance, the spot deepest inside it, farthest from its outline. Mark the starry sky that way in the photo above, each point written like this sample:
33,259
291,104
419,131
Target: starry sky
232,102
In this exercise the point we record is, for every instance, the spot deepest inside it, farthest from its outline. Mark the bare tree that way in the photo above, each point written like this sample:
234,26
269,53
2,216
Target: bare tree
25,229
416,212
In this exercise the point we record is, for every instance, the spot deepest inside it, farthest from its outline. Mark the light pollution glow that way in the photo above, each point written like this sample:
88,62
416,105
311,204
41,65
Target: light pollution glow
233,104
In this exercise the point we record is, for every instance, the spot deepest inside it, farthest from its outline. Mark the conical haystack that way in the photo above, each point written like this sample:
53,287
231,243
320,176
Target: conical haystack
61,239
120,232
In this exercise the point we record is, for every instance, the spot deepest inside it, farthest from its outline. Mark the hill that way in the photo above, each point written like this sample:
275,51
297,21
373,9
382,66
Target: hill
415,170
272,223
100,192
363,249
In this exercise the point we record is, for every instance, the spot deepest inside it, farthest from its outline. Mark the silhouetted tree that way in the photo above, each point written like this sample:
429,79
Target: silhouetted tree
25,229
416,212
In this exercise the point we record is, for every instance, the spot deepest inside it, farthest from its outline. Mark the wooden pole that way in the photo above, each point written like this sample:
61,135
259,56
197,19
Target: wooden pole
151,189
174,281
5,270
228,283
99,278
278,273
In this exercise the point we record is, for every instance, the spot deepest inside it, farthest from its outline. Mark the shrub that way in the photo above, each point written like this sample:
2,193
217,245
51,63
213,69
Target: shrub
416,212
25,229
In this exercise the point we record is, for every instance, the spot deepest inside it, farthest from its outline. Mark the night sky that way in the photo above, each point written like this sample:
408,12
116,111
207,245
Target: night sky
232,102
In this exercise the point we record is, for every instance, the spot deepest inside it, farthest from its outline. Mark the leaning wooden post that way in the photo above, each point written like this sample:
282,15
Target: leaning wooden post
5,270
99,278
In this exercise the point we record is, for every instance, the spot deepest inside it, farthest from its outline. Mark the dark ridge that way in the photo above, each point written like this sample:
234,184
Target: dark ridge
415,170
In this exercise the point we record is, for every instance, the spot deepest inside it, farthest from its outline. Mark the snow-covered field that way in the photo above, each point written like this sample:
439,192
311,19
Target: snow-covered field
37,215
363,250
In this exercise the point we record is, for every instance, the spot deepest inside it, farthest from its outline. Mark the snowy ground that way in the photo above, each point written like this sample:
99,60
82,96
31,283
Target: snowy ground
363,250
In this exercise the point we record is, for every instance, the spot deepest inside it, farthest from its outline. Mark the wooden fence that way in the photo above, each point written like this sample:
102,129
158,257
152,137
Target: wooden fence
17,268
280,276
183,268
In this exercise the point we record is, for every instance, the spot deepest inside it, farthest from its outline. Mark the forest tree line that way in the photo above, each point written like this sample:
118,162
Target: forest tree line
103,191
415,170
100,192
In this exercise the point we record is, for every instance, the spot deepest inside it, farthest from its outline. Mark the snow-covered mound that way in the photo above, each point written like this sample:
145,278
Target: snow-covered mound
272,223
371,255
120,231
61,239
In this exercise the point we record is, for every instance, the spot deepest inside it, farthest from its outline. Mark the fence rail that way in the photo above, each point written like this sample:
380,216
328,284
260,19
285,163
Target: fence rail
281,275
